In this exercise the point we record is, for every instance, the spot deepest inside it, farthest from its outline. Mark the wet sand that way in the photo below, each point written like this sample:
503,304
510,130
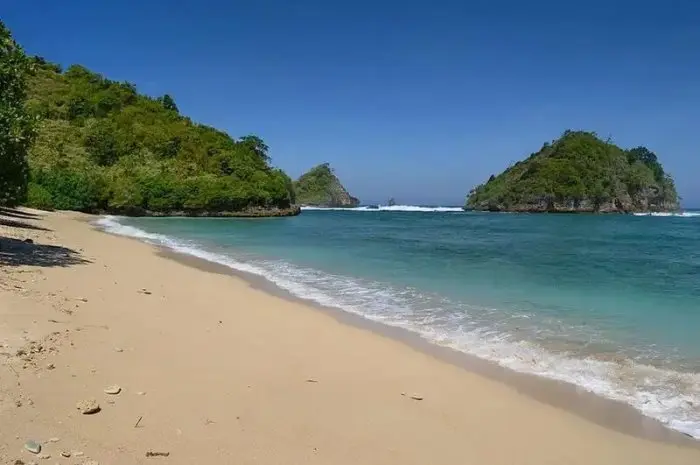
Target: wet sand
226,368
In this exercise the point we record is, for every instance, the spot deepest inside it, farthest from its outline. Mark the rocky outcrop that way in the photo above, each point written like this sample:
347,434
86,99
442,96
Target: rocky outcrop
579,173
320,187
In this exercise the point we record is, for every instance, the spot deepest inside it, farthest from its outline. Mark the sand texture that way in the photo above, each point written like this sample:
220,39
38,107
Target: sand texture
194,367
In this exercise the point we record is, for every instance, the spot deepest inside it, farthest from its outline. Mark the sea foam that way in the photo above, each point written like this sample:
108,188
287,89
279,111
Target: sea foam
390,208
666,395
670,214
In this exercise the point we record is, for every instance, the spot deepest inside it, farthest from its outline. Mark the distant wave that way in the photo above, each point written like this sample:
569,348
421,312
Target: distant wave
666,214
666,395
392,208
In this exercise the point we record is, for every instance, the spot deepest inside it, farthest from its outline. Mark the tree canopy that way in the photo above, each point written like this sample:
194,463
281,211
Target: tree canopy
16,126
102,146
579,172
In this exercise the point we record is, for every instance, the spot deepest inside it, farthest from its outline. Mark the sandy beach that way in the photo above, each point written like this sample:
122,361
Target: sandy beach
214,370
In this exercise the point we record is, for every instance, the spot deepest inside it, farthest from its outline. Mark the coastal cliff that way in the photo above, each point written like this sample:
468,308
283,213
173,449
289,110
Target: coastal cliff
320,187
580,173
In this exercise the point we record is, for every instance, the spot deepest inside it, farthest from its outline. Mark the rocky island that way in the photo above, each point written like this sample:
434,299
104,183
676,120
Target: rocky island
579,172
320,187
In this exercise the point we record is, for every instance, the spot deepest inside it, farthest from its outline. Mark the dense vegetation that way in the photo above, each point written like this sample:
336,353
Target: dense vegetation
16,126
101,146
321,187
580,172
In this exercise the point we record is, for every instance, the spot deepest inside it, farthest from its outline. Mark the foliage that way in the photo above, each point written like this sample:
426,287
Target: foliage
320,186
168,103
16,126
575,170
101,146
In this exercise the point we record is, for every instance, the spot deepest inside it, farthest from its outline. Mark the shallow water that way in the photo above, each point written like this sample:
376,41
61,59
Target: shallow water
609,303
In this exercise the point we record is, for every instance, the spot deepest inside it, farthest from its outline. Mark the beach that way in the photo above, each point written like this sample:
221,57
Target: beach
213,369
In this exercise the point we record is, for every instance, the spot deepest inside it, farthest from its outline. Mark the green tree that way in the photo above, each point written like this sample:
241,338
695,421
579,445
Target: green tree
16,126
168,103
257,145
649,158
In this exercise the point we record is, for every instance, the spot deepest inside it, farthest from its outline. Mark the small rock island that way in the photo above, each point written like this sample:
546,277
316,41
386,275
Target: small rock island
320,187
579,172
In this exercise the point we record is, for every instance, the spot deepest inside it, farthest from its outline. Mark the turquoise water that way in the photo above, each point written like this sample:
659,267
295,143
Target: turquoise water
609,303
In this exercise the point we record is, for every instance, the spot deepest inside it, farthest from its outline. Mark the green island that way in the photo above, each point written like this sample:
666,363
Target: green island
76,140
579,172
320,187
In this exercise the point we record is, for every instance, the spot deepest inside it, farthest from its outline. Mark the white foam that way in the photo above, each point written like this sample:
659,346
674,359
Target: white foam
390,208
667,214
665,395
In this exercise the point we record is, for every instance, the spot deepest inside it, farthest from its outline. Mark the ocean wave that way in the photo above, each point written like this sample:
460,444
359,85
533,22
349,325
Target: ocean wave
667,214
390,208
665,395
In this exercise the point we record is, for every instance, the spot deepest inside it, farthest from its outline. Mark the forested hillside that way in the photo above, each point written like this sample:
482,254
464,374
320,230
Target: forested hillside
102,146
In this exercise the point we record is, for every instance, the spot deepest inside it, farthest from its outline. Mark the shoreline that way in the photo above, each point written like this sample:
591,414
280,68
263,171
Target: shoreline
216,368
611,414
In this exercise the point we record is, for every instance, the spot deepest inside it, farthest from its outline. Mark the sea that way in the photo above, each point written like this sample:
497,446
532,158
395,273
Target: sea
609,303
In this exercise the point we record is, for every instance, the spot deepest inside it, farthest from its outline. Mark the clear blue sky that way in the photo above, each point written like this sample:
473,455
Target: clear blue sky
412,99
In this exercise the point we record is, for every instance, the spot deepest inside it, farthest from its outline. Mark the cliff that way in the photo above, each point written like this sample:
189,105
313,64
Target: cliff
320,187
580,173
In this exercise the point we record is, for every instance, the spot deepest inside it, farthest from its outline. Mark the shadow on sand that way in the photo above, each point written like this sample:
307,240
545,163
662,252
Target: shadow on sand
20,224
14,213
15,252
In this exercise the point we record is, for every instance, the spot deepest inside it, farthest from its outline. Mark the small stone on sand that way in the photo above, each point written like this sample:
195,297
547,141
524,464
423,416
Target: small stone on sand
50,366
113,390
45,456
141,393
77,453
416,397
32,446
65,454
118,349
88,406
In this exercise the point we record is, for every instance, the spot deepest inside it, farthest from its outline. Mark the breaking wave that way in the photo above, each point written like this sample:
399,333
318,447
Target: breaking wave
664,394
